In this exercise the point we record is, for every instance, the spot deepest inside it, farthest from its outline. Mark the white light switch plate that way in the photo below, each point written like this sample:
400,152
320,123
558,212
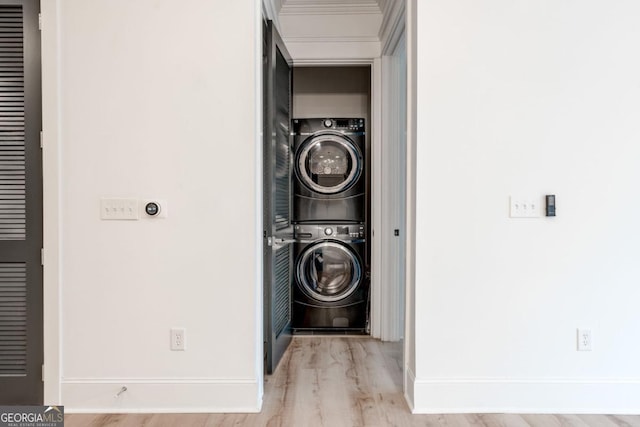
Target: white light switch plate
524,207
119,209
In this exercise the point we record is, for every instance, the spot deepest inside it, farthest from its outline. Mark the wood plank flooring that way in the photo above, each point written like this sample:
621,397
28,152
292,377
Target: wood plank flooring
342,381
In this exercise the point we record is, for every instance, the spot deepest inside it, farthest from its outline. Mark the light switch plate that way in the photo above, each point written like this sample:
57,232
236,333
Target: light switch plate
524,207
119,209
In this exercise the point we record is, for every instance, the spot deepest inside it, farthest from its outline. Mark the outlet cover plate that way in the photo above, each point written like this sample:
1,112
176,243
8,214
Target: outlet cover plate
178,339
585,340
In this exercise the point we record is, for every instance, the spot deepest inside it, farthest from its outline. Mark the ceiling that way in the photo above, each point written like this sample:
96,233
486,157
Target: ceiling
335,30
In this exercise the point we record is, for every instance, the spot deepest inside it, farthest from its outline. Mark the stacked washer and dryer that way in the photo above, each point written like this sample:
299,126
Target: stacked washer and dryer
331,289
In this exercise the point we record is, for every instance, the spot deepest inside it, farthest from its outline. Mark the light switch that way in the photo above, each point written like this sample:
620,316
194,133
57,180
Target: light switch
524,207
119,209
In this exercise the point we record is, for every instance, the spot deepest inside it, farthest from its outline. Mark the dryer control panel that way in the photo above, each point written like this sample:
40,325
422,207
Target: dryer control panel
325,231
347,125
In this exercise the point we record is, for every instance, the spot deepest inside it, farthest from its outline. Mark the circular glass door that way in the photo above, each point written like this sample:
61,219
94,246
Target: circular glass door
329,271
329,164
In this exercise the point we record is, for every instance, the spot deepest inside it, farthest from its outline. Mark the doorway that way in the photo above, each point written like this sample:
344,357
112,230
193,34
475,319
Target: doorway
387,135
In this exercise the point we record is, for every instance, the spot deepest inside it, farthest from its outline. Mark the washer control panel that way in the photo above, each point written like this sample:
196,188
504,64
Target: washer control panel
336,231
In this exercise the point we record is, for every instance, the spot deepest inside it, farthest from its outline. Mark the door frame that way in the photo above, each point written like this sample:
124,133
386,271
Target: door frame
52,226
392,191
380,305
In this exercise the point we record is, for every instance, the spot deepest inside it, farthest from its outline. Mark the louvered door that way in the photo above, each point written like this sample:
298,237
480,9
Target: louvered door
277,249
20,205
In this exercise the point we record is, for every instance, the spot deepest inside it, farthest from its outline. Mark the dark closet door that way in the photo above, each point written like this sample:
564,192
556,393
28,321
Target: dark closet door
277,233
21,339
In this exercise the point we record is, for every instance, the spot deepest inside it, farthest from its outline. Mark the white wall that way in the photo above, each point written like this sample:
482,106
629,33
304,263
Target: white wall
523,98
527,98
157,100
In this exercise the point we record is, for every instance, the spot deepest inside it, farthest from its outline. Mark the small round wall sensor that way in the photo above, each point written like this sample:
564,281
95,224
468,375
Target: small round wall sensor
152,209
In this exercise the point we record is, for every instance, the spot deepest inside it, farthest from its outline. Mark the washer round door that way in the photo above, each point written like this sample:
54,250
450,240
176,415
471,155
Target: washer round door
329,163
329,271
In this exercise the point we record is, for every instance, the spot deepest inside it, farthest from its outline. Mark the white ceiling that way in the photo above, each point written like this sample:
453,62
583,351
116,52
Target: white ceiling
334,30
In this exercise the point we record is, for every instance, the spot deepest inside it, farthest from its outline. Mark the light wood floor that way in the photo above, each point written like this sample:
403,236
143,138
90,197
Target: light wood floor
341,381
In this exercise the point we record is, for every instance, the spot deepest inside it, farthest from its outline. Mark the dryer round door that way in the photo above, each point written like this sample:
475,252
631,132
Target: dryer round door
329,163
329,271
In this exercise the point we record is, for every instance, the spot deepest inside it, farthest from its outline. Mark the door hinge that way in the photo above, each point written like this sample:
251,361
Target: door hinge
41,139
40,21
42,256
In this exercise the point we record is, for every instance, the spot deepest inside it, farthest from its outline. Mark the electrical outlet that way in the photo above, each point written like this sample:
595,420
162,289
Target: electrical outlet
178,339
585,341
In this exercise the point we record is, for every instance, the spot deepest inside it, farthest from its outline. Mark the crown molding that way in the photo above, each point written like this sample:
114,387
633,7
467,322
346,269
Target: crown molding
331,39
270,11
330,7
329,61
393,25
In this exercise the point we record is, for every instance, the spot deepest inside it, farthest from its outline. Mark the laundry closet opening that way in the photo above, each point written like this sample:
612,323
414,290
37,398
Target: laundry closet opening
331,110
334,175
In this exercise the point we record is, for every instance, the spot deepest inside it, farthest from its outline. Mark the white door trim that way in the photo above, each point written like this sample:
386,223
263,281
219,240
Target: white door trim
376,197
388,270
410,207
50,37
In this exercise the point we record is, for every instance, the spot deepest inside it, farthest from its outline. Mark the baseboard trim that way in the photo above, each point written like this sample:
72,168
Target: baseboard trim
409,387
544,396
161,395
